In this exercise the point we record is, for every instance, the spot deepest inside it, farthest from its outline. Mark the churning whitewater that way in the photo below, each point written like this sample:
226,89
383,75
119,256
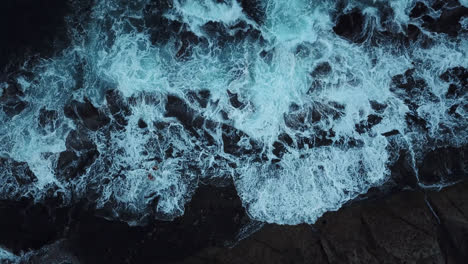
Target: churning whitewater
153,98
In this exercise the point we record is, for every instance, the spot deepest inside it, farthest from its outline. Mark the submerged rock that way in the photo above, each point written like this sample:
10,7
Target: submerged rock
407,227
214,217
444,165
11,100
86,114
28,28
351,26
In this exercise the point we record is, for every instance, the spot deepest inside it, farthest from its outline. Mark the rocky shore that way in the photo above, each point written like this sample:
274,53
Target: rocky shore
406,226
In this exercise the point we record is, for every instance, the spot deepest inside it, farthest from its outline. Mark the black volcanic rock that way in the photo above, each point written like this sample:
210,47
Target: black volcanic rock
399,228
404,227
20,171
30,27
351,26
321,70
254,10
458,79
418,10
234,100
118,107
25,225
72,164
444,165
80,154
448,22
214,217
11,100
87,114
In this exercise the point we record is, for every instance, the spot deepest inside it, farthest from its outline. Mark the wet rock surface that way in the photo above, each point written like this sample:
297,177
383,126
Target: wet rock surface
28,32
213,217
407,227
400,223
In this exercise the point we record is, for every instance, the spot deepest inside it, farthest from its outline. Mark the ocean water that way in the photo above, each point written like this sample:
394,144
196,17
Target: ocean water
264,93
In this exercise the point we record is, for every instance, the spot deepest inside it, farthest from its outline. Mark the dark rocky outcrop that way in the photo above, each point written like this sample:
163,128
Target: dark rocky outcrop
19,171
254,10
444,165
458,79
213,217
351,26
86,114
418,10
449,20
25,225
30,27
80,155
408,227
11,100
321,70
400,226
118,107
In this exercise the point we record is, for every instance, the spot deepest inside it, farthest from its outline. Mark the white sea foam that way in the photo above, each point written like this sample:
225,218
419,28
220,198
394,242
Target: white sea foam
268,75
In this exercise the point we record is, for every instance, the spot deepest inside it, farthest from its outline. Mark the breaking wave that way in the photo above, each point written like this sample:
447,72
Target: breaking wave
153,98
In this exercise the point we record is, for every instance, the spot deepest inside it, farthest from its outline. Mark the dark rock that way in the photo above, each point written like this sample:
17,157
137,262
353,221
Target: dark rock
450,206
391,133
202,97
458,79
448,21
213,217
351,26
321,70
25,226
48,119
454,91
28,28
86,114
402,171
440,4
378,107
407,81
418,10
365,126
71,165
79,140
411,89
285,138
453,111
296,120
413,34
231,139
142,124
415,122
254,10
444,165
80,154
161,29
196,124
11,100
176,107
234,100
118,107
398,228
187,41
278,149
19,170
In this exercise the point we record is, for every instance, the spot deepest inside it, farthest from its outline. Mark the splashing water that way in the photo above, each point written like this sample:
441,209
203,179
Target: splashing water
273,98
